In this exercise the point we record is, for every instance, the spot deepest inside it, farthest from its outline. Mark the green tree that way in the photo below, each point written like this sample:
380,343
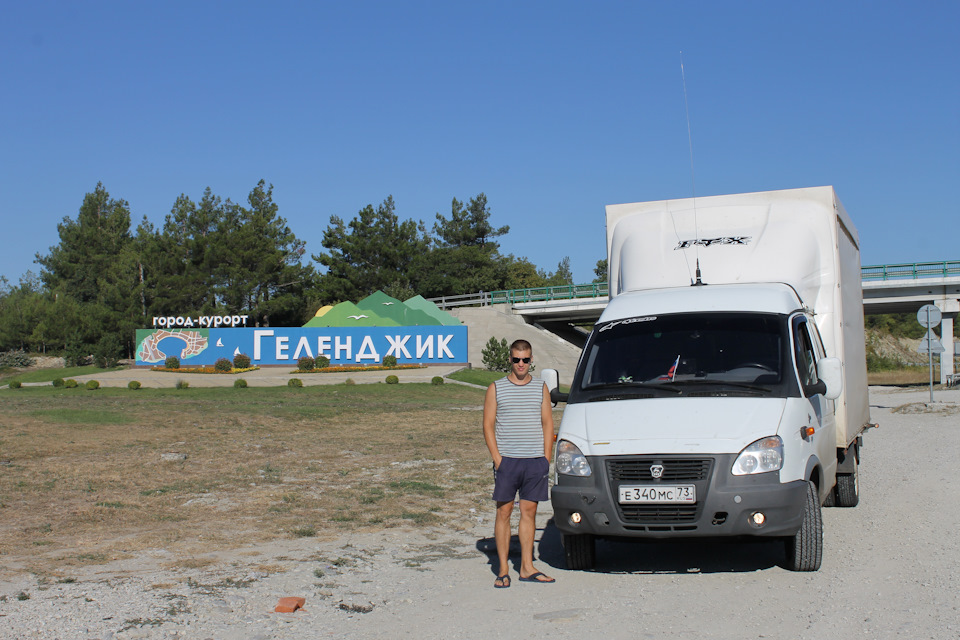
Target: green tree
374,251
94,264
600,271
563,275
465,257
520,273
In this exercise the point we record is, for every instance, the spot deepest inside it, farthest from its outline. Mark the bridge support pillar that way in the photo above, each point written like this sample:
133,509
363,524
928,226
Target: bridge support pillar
950,310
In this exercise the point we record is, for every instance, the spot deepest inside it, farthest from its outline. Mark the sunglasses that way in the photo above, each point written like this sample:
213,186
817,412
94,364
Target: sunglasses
515,360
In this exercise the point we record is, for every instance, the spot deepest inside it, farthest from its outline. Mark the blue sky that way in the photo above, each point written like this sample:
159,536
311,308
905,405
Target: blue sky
553,109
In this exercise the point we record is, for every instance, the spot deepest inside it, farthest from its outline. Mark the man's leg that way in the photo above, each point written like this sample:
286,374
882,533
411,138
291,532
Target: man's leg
527,533
501,535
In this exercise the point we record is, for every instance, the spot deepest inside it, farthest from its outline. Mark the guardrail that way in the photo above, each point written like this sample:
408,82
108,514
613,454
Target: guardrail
913,271
540,294
600,289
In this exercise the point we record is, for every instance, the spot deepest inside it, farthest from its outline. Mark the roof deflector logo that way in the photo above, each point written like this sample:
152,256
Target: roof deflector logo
709,242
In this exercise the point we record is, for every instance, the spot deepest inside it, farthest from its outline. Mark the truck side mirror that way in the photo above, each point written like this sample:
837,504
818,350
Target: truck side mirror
830,374
552,380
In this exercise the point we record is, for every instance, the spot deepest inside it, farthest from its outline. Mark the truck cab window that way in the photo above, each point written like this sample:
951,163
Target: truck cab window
806,355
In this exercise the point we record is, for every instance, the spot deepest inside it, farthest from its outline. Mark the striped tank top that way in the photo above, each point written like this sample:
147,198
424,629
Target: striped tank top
519,428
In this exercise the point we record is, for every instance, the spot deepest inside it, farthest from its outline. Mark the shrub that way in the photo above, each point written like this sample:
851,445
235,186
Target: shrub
496,355
239,383
323,362
15,384
241,361
92,385
133,385
223,365
306,363
390,361
182,384
57,382
349,381
435,380
75,354
172,362
393,380
106,354
15,358
70,383
294,382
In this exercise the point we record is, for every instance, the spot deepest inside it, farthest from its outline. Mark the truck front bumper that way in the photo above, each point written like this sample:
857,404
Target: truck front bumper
726,504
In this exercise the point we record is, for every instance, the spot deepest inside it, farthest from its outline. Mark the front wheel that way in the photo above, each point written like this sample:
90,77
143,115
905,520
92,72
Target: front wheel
580,551
805,547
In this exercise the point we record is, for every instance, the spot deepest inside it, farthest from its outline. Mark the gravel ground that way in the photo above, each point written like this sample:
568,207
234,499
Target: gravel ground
890,570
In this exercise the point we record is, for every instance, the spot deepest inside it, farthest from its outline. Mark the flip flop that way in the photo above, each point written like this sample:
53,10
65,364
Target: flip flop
535,577
502,582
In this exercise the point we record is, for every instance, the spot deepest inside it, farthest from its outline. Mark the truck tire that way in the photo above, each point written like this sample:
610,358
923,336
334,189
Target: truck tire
580,551
848,489
805,548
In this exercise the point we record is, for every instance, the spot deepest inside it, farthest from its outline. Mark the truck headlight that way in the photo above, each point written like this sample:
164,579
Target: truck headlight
570,461
763,456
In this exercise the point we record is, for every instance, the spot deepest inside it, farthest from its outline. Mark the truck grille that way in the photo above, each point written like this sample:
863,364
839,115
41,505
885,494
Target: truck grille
638,470
658,513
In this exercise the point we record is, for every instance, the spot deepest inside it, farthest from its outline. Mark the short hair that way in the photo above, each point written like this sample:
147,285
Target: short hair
521,345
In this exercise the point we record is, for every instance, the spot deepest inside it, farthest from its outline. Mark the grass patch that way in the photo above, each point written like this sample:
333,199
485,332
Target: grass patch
261,462
49,375
480,377
81,416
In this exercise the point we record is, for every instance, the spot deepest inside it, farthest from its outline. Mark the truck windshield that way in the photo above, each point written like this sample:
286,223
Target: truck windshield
734,350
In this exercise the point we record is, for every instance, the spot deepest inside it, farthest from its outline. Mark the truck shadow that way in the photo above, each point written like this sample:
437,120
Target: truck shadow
689,556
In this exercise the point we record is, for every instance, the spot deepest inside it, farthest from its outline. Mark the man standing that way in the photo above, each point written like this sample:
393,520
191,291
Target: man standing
518,429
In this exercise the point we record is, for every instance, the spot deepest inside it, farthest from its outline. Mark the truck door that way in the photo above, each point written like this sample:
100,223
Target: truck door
808,349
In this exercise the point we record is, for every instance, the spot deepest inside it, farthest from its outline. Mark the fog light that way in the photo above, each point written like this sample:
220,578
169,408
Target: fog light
757,519
575,517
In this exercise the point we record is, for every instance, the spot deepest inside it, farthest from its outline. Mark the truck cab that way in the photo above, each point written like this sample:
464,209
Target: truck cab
697,412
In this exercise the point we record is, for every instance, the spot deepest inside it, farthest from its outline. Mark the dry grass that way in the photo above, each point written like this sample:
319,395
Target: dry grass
903,377
83,480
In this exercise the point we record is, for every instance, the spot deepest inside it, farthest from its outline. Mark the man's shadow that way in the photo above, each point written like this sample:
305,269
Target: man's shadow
682,556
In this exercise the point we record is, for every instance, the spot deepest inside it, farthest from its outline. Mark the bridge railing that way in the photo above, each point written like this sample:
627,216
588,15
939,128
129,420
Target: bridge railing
600,289
541,294
911,270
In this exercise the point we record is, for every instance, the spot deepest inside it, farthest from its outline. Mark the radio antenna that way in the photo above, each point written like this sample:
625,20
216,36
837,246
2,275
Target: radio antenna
693,177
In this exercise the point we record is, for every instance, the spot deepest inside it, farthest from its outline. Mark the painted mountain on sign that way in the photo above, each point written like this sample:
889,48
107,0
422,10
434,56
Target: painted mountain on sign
380,310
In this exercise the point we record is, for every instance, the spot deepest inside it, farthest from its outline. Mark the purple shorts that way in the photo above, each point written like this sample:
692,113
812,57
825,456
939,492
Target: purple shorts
528,476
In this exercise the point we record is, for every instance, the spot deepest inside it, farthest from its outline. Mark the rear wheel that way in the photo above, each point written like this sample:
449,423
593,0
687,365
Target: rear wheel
805,548
580,551
848,488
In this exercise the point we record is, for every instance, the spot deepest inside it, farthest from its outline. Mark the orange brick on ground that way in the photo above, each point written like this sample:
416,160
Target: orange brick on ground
289,605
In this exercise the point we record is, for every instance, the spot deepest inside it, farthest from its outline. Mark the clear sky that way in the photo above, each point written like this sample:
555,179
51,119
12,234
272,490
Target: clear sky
553,109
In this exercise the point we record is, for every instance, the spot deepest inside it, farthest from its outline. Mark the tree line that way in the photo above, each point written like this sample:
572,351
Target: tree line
104,280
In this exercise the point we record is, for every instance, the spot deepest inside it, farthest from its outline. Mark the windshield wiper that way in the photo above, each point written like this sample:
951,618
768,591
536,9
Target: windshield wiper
627,386
725,383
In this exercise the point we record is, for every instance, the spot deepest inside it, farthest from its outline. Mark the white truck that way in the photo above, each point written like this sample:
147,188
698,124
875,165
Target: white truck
723,392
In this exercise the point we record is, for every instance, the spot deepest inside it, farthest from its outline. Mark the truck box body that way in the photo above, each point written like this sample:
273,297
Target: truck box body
801,237
723,391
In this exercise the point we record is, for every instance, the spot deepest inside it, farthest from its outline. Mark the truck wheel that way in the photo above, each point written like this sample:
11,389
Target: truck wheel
848,488
580,550
805,548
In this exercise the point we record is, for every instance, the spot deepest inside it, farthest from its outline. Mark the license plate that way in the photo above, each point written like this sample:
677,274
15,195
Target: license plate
660,494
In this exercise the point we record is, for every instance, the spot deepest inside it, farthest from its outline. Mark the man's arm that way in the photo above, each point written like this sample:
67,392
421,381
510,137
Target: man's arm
490,424
546,419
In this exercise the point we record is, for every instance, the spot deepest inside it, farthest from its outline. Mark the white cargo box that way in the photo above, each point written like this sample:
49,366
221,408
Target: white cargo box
800,237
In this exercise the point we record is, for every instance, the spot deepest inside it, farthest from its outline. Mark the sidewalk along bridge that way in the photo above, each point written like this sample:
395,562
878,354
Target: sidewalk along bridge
891,288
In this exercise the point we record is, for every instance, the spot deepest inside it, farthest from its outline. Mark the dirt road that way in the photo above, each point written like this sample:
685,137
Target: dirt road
891,569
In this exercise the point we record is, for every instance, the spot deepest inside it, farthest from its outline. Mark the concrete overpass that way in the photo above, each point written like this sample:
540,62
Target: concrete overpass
897,288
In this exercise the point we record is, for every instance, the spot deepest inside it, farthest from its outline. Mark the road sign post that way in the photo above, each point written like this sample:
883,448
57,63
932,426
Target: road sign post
929,316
